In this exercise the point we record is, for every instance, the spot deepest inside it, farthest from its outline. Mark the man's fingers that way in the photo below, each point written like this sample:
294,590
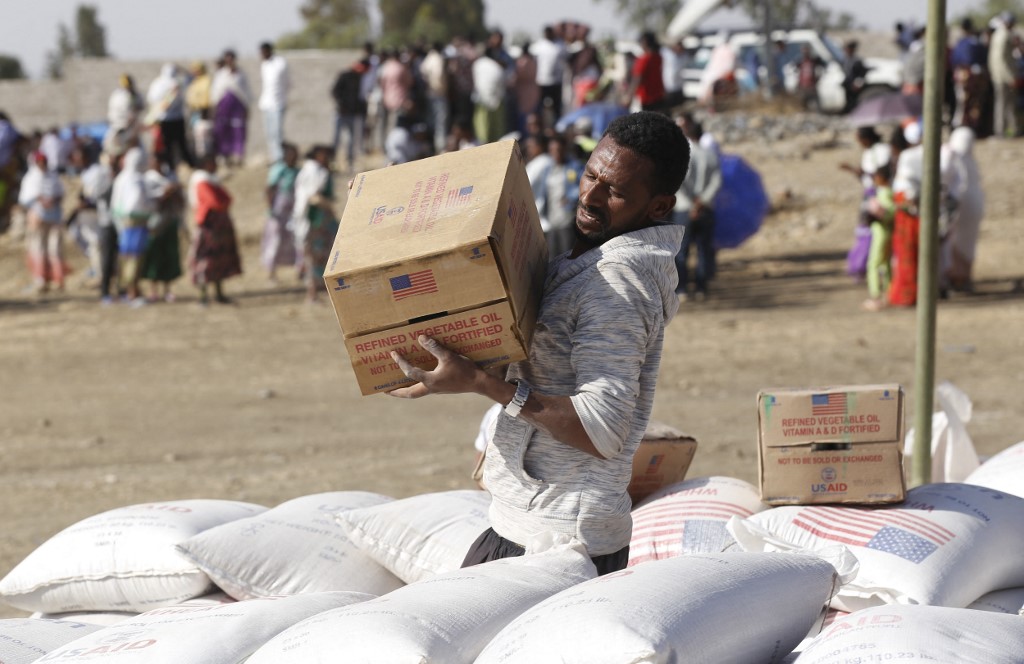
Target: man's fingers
410,370
412,392
432,346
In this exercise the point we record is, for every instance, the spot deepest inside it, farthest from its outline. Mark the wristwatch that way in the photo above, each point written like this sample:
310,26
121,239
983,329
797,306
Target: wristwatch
519,400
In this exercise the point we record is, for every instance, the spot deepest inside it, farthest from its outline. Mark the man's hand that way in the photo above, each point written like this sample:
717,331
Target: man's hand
454,373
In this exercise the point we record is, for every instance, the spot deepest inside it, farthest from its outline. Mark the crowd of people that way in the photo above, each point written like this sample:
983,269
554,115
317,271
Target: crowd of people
887,236
984,74
555,95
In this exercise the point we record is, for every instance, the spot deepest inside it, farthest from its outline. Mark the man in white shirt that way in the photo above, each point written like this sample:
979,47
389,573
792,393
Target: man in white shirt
273,99
550,55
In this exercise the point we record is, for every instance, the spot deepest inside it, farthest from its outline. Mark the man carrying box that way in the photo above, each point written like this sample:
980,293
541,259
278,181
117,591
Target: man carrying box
561,456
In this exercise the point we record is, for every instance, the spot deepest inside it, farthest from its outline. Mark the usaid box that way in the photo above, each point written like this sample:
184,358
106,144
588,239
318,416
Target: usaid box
450,247
831,445
663,458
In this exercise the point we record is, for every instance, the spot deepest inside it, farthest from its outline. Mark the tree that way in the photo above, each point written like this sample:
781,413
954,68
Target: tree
65,49
647,14
91,35
983,14
90,41
10,67
330,24
409,21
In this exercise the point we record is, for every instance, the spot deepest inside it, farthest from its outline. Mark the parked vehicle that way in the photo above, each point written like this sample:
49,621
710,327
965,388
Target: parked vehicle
884,75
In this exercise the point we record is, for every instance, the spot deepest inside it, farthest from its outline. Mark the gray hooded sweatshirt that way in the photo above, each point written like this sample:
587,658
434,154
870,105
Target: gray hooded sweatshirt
598,340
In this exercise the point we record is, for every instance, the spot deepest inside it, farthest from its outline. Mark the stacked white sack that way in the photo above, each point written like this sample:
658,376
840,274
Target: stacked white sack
214,634
449,618
947,545
120,560
25,640
919,633
419,537
1010,600
689,517
720,608
296,547
1004,471
108,618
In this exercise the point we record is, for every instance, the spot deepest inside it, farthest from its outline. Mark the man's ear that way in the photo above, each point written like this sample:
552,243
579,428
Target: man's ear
661,206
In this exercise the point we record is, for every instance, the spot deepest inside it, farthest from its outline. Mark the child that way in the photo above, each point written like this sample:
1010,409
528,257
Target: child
881,211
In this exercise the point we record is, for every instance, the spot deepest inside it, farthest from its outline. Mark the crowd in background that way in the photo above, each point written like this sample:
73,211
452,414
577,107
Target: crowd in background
555,95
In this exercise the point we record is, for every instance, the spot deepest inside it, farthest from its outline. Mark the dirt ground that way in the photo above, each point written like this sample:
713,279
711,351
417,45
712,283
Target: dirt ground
107,407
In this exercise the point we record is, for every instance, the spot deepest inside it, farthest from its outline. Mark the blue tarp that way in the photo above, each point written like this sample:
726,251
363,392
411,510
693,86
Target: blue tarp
600,114
741,204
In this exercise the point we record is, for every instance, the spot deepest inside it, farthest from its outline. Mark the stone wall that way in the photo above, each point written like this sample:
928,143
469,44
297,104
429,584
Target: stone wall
81,96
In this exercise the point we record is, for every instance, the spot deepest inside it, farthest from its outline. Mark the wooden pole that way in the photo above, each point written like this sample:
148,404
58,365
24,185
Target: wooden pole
927,273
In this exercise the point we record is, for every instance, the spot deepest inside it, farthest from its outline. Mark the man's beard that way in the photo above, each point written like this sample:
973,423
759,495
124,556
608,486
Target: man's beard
597,238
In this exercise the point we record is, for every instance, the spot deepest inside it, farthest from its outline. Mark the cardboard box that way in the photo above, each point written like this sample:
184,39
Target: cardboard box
450,247
831,445
663,457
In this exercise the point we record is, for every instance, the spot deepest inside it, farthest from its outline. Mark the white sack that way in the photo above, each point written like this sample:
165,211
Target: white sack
108,618
716,608
947,545
419,537
120,560
1004,471
213,634
24,640
953,454
919,633
447,619
690,517
296,547
1009,600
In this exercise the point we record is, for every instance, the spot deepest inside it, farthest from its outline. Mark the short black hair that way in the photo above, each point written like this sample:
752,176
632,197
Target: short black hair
655,137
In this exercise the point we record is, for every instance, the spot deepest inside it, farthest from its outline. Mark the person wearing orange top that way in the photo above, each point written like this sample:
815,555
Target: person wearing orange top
213,256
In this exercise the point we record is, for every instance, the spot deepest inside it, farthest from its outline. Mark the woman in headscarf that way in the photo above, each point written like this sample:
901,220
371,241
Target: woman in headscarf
314,220
40,195
123,109
167,116
131,208
906,188
963,234
278,245
213,256
163,251
230,96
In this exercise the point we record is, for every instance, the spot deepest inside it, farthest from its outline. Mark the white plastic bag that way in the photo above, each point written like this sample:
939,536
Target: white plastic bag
212,634
448,619
120,560
953,453
25,640
1004,471
690,517
419,537
721,608
296,547
919,633
947,545
1009,600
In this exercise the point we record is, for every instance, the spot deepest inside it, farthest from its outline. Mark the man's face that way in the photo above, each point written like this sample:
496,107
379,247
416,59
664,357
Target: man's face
616,195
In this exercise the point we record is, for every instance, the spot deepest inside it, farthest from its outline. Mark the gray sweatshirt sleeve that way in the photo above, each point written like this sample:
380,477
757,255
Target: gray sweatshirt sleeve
618,314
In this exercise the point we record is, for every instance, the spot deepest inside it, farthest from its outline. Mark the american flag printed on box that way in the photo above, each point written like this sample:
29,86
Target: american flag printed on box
899,532
459,196
828,404
413,283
